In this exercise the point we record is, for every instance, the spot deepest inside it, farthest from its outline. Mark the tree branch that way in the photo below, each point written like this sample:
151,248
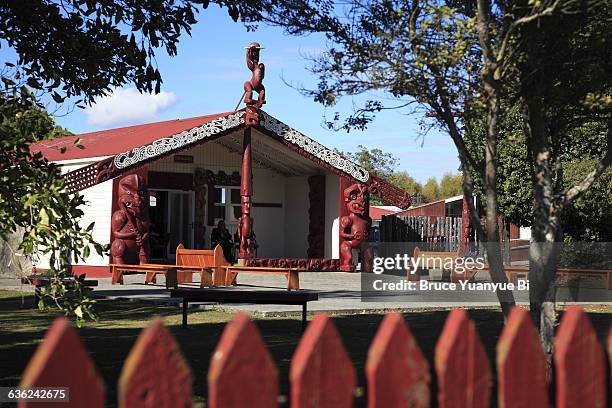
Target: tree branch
573,193
501,53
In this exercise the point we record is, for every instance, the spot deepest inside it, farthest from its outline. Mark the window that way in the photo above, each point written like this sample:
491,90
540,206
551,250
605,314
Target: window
227,204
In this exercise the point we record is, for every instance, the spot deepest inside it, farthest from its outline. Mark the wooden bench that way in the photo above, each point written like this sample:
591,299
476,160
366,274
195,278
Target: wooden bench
206,262
150,271
234,295
39,281
440,258
291,274
513,273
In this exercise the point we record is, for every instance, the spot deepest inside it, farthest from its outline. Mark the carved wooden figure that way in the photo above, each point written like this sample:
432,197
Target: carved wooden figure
245,223
255,83
355,228
130,223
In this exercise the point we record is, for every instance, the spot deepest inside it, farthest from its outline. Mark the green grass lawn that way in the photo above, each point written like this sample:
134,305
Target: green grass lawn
109,340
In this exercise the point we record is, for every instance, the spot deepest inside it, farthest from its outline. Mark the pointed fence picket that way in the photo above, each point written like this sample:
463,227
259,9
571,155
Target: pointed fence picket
155,374
462,367
321,374
396,371
62,361
579,363
243,374
521,364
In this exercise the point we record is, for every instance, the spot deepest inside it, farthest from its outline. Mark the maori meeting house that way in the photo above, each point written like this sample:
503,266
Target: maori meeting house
186,175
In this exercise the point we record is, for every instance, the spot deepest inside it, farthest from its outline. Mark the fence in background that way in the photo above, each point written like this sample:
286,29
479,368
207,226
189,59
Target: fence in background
441,233
243,374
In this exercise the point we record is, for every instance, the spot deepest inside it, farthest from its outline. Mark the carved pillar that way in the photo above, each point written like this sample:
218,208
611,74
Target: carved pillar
316,214
130,220
354,225
465,223
245,224
343,212
201,190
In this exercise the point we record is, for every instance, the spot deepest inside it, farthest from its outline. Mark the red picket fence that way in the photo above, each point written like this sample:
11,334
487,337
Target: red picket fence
243,374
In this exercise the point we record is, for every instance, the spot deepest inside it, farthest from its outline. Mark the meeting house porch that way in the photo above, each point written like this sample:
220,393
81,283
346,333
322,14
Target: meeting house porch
201,170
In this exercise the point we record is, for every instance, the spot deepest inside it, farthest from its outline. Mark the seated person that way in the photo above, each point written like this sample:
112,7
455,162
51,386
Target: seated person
221,236
253,240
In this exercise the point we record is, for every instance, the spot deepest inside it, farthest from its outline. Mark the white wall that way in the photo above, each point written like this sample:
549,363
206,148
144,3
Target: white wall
332,195
97,209
525,233
297,219
269,222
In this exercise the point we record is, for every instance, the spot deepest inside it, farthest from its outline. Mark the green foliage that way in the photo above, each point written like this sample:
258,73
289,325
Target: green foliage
431,190
34,202
514,174
81,48
377,162
407,183
421,54
589,218
451,185
578,147
383,165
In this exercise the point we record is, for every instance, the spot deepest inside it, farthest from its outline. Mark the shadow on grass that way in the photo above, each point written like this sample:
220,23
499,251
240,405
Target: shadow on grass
110,340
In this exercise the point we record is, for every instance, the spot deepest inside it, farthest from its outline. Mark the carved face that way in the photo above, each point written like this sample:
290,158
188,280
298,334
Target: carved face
356,197
246,204
132,194
254,48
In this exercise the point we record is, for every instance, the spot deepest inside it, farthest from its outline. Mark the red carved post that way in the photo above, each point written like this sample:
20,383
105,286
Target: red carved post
62,361
321,374
462,368
242,372
465,224
316,216
354,227
130,222
579,362
521,364
610,354
245,224
396,371
155,373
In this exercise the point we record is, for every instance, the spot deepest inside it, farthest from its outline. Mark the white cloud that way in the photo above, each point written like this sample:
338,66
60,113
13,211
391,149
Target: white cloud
128,106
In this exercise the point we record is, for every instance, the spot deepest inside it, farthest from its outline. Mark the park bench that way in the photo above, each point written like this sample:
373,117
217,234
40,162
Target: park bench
291,274
206,262
150,271
234,295
513,273
440,258
42,280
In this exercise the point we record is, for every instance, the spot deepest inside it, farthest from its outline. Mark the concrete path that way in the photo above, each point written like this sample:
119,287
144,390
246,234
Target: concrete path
338,291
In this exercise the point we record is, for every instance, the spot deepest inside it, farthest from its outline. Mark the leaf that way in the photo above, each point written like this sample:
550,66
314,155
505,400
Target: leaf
31,199
79,312
57,97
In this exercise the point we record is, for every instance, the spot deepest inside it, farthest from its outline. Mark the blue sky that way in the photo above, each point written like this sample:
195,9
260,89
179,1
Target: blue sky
207,76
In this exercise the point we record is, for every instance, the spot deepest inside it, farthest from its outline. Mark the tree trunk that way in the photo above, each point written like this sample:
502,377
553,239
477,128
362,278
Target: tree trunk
490,75
493,244
543,251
